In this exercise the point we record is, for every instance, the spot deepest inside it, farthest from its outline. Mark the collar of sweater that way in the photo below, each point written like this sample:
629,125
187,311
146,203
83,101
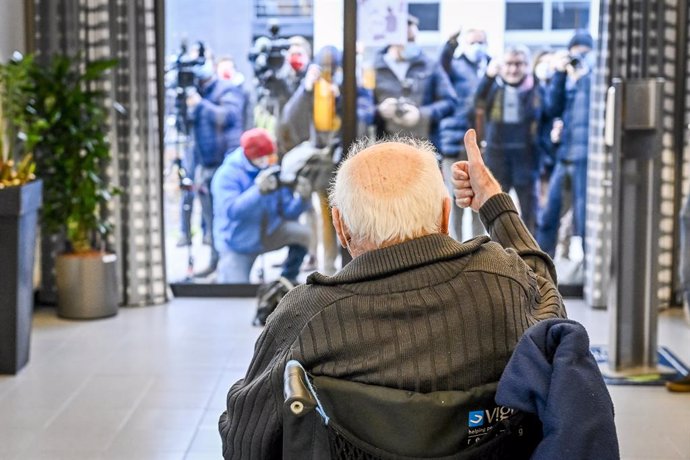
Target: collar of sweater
398,258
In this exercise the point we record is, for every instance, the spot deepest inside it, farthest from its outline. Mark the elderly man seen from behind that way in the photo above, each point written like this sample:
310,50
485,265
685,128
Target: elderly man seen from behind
415,309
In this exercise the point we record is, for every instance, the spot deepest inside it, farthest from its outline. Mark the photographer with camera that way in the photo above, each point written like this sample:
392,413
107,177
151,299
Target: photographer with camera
412,93
255,212
216,111
568,99
279,66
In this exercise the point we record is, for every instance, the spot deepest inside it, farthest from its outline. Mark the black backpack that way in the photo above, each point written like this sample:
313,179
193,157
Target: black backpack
268,297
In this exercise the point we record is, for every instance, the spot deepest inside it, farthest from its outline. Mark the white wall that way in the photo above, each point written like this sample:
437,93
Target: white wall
11,28
488,15
328,23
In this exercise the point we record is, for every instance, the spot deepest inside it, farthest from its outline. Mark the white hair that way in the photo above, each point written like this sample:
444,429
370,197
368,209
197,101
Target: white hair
377,218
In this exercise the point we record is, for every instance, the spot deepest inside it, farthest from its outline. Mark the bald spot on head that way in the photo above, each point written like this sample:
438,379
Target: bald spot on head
386,169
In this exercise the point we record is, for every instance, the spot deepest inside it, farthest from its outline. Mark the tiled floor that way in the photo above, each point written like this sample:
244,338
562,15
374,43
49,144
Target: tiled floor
151,382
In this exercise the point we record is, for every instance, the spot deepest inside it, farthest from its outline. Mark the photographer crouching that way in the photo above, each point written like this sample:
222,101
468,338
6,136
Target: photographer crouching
255,212
216,112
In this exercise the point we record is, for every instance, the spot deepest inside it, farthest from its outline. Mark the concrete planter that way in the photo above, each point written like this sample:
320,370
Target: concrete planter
18,219
86,285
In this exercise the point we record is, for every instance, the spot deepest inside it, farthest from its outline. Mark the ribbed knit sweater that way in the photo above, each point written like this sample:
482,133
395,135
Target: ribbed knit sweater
429,314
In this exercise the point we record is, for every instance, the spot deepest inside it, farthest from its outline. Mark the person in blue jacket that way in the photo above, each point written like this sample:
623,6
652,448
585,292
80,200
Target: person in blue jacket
254,212
568,99
216,112
464,58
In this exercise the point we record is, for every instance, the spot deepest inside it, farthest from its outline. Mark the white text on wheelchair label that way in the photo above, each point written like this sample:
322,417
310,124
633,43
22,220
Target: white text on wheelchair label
481,421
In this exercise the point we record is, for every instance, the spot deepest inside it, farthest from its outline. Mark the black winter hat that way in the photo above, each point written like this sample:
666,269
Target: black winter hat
581,37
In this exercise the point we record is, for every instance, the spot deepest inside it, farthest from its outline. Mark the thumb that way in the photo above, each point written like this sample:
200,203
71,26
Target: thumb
474,155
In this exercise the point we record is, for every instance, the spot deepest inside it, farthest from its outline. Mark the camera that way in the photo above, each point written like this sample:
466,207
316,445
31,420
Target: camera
575,61
407,86
185,64
267,55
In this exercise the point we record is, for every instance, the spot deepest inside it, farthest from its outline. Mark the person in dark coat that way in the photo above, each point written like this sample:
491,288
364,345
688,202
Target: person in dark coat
465,62
415,309
412,93
509,106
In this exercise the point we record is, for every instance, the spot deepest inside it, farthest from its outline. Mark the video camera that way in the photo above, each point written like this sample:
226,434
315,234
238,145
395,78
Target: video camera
185,64
267,55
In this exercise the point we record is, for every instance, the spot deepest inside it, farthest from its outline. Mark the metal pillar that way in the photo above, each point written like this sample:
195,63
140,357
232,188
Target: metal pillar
633,137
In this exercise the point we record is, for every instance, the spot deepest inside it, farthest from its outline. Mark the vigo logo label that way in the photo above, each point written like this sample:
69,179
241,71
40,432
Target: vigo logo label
476,418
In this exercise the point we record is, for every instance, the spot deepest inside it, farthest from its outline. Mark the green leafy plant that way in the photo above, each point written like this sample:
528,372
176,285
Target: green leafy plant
15,169
62,119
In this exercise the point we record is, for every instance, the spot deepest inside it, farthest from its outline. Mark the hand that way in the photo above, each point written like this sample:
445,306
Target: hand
561,60
267,180
410,116
493,68
313,74
473,183
303,187
387,108
193,99
454,38
556,131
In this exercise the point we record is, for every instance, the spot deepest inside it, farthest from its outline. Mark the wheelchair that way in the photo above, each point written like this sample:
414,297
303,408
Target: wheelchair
326,418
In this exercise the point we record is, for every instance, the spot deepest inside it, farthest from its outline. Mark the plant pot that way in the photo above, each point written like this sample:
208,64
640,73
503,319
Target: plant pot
86,285
18,218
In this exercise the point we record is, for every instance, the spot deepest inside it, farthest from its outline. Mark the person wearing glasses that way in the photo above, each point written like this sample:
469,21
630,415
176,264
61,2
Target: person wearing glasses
508,109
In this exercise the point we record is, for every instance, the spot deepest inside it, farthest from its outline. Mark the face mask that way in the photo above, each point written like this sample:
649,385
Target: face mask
410,51
542,71
297,61
264,161
475,52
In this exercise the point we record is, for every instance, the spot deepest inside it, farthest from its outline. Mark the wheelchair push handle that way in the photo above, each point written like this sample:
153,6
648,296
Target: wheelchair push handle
299,398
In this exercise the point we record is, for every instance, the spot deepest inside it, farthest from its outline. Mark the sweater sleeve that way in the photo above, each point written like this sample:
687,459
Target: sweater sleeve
501,219
251,427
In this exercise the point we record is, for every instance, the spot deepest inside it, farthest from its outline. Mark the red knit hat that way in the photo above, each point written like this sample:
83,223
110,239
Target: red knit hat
257,143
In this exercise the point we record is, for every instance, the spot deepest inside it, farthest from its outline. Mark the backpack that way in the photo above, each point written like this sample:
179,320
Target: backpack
268,297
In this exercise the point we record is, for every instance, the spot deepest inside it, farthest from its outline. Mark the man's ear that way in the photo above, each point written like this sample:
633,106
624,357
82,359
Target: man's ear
445,216
340,230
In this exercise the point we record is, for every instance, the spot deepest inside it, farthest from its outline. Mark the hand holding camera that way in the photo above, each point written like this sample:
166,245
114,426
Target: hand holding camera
407,115
267,179
313,74
387,108
303,187
193,99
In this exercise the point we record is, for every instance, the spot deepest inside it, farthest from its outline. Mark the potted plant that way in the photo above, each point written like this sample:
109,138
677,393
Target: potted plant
66,124
20,199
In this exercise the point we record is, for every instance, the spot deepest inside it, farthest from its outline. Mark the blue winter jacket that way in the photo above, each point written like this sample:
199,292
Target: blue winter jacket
552,373
464,76
218,121
241,214
569,101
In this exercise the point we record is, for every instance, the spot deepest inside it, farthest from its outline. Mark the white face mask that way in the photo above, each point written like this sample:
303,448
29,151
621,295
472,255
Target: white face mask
410,51
475,52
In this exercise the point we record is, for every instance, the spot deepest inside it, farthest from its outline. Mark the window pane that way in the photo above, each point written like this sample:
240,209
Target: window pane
427,13
570,15
283,7
524,16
